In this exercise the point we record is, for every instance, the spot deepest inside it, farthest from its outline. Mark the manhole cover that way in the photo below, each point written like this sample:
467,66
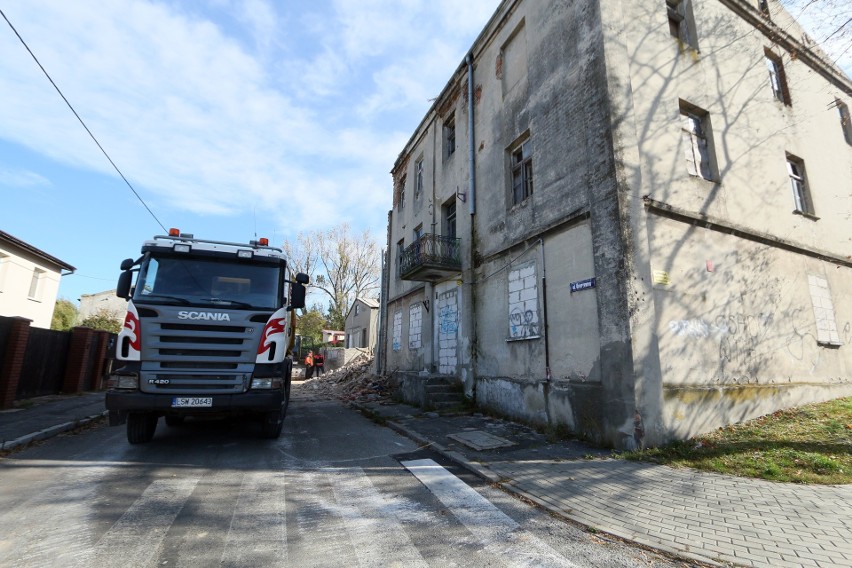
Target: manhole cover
479,440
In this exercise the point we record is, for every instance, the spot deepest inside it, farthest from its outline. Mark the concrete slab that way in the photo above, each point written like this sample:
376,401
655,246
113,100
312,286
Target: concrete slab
479,440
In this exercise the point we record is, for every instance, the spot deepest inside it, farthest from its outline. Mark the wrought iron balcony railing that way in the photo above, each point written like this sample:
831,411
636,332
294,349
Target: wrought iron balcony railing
430,258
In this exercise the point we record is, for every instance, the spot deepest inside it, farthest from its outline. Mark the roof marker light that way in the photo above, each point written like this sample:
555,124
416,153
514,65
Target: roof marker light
174,232
264,242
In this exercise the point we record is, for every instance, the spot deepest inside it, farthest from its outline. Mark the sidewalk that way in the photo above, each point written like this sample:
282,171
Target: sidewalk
47,417
703,517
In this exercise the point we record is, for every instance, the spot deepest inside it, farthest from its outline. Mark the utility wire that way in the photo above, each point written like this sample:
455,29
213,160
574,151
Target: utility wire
46,74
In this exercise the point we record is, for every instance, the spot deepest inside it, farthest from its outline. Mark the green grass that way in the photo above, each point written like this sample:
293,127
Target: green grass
810,444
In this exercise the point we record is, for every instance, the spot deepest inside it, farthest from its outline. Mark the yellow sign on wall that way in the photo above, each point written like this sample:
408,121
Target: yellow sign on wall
661,277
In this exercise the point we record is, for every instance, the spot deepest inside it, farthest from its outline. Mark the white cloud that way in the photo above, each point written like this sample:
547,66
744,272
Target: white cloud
22,178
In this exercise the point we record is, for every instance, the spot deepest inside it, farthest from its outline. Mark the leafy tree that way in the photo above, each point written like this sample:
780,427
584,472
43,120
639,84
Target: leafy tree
341,265
64,315
311,324
103,319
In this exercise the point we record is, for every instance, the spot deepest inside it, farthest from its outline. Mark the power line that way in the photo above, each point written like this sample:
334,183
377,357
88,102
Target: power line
46,74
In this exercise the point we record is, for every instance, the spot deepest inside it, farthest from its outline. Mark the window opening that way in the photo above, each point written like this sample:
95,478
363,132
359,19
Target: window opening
777,78
697,148
418,178
449,137
798,183
522,173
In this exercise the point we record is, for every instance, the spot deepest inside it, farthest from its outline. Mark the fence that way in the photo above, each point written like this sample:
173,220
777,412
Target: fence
37,362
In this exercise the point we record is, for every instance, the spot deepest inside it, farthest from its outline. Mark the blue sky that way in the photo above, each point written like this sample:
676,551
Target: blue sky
229,117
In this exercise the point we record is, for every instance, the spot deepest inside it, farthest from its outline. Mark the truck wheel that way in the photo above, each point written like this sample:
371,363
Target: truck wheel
271,424
141,427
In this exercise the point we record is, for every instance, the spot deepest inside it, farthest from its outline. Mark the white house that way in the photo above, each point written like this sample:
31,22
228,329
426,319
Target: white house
362,323
29,280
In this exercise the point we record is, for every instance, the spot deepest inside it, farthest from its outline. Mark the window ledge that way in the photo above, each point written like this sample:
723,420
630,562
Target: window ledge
806,215
830,344
513,339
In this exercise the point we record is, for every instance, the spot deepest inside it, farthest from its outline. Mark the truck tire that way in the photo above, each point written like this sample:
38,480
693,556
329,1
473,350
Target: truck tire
141,427
272,422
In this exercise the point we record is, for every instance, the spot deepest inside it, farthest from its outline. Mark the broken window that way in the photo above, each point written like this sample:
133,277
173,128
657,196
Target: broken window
845,120
522,173
400,251
681,26
777,78
763,6
401,201
799,185
695,131
418,178
449,137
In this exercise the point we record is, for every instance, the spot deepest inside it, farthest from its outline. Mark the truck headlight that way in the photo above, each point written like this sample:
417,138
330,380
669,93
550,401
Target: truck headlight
267,384
125,382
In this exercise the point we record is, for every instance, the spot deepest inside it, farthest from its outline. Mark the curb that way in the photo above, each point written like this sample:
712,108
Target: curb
511,486
49,432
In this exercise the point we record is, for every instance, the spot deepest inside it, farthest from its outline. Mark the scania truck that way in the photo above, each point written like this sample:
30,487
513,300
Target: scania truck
209,332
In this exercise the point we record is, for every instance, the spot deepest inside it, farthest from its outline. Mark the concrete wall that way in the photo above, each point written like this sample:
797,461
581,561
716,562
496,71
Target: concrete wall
16,276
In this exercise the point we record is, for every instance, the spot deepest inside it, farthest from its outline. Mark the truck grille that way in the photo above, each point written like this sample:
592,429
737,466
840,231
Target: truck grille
197,358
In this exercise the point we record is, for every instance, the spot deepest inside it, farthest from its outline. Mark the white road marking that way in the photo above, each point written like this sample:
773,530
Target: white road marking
135,538
376,534
258,532
495,530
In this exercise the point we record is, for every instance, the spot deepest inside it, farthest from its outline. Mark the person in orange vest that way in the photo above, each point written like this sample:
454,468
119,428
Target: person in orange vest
309,365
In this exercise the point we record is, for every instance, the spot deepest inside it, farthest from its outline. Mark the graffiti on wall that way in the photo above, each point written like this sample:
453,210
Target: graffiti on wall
523,303
448,325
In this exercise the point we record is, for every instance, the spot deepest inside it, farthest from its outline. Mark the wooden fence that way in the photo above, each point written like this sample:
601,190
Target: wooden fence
37,362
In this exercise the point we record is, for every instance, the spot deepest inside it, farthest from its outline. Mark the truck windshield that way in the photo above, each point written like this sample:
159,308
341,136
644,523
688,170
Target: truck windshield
208,282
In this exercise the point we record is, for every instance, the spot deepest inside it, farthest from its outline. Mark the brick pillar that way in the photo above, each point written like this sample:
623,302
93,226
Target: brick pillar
13,361
101,360
78,357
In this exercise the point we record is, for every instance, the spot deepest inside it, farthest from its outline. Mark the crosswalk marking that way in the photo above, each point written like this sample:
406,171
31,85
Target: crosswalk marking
257,535
135,538
373,527
496,531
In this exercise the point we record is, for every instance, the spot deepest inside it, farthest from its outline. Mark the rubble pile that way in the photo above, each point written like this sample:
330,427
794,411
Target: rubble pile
354,381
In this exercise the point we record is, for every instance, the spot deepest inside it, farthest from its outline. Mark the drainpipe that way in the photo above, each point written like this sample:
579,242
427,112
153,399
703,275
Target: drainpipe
471,202
547,373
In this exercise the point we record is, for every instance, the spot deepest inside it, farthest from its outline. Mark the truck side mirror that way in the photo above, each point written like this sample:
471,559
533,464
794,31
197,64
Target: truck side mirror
123,288
302,278
297,296
127,264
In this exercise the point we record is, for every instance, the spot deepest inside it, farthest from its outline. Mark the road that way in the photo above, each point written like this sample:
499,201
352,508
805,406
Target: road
335,490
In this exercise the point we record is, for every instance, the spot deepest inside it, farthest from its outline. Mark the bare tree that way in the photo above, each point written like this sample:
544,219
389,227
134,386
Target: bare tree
341,265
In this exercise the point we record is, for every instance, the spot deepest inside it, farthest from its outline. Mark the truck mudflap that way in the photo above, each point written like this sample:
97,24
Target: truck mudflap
122,403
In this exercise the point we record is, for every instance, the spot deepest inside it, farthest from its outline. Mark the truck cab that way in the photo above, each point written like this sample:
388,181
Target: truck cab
209,332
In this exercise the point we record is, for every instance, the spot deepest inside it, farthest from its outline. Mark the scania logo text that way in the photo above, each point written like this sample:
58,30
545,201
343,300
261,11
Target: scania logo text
211,316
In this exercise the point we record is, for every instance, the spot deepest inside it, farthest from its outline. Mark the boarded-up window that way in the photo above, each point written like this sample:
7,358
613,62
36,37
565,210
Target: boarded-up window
415,326
523,303
397,330
513,59
826,323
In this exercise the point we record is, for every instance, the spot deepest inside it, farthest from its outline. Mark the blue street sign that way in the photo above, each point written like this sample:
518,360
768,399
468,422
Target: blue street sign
583,284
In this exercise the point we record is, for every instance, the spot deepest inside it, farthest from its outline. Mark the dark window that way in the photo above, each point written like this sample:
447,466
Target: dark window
418,178
401,202
522,173
777,77
763,6
400,249
449,137
681,26
450,220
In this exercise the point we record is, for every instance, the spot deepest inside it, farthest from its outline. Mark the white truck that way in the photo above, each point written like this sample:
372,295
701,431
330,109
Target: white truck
209,332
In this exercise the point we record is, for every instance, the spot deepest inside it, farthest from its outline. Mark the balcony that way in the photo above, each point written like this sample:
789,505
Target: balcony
431,258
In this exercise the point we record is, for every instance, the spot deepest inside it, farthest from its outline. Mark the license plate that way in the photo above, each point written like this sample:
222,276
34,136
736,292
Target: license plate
187,402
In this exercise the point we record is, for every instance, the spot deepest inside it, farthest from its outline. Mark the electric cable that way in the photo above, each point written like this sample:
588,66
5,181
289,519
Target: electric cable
46,74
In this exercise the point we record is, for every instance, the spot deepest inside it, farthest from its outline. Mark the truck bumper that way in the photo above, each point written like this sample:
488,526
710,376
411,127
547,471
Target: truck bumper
250,402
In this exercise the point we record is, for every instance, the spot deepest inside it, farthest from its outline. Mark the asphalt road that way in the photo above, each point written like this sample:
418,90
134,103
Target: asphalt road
334,490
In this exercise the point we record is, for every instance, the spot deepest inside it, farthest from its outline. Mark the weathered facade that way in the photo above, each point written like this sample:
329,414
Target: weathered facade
633,221
361,324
